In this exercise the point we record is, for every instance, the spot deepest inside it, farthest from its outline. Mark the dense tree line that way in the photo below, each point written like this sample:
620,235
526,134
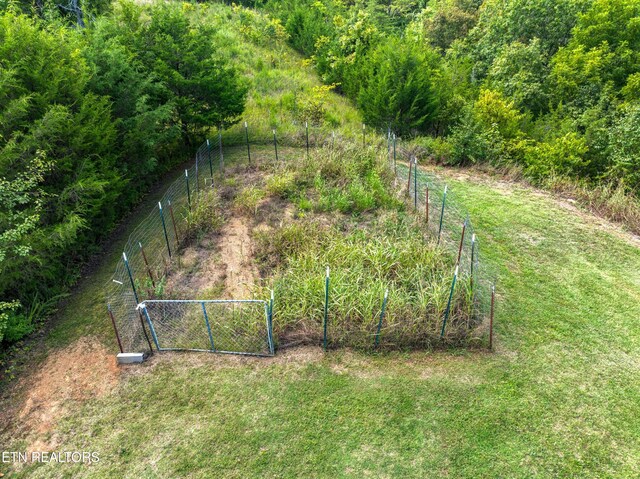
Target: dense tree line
89,117
552,86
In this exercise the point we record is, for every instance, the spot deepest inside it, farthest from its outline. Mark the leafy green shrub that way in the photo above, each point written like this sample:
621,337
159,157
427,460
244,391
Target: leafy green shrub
563,156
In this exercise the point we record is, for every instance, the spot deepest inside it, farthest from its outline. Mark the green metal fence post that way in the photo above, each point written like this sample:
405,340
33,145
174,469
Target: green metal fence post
153,331
382,310
493,300
448,310
444,200
464,228
133,285
164,229
473,257
333,139
326,308
246,133
186,178
206,321
415,183
364,143
210,161
270,331
221,160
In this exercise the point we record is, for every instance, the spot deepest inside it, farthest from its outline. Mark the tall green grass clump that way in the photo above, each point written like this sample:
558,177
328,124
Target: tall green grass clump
364,262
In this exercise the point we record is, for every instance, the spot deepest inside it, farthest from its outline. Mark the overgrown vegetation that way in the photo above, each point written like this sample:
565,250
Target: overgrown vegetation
550,87
88,120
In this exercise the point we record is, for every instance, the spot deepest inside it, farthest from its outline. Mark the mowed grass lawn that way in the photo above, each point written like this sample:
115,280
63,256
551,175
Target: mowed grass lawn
559,398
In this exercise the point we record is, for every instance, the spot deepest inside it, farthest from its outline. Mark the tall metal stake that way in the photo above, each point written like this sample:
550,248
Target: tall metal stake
473,258
464,228
210,161
415,183
186,178
133,285
220,149
164,229
115,328
426,206
173,220
144,257
444,200
275,143
448,310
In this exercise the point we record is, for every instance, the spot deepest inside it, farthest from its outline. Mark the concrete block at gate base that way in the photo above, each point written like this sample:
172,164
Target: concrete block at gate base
130,358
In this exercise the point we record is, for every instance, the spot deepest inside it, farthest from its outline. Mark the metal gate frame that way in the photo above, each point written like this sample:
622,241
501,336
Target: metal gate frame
268,313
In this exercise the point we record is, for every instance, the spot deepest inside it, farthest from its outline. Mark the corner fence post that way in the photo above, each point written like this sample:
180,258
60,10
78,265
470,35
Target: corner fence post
382,311
133,285
275,143
115,328
448,310
493,300
220,148
246,134
326,308
206,321
444,200
186,178
164,229
173,220
306,129
146,263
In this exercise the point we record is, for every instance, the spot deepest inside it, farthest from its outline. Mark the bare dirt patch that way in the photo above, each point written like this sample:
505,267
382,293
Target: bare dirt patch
236,251
81,371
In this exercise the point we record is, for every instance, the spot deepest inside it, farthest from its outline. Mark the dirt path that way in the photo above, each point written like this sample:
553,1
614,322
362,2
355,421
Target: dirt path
236,251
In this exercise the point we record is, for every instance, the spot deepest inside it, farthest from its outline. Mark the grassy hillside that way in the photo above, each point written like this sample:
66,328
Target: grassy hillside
558,398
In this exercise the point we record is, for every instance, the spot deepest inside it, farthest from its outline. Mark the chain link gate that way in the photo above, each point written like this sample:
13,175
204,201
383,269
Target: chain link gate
219,326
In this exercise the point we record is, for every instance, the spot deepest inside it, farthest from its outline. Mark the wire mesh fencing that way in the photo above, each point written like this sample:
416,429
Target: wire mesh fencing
144,320
220,326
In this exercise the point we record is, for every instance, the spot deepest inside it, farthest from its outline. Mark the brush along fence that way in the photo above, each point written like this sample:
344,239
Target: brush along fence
144,323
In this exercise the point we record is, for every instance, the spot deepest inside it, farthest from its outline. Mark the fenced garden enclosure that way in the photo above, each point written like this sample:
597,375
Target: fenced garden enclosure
454,307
